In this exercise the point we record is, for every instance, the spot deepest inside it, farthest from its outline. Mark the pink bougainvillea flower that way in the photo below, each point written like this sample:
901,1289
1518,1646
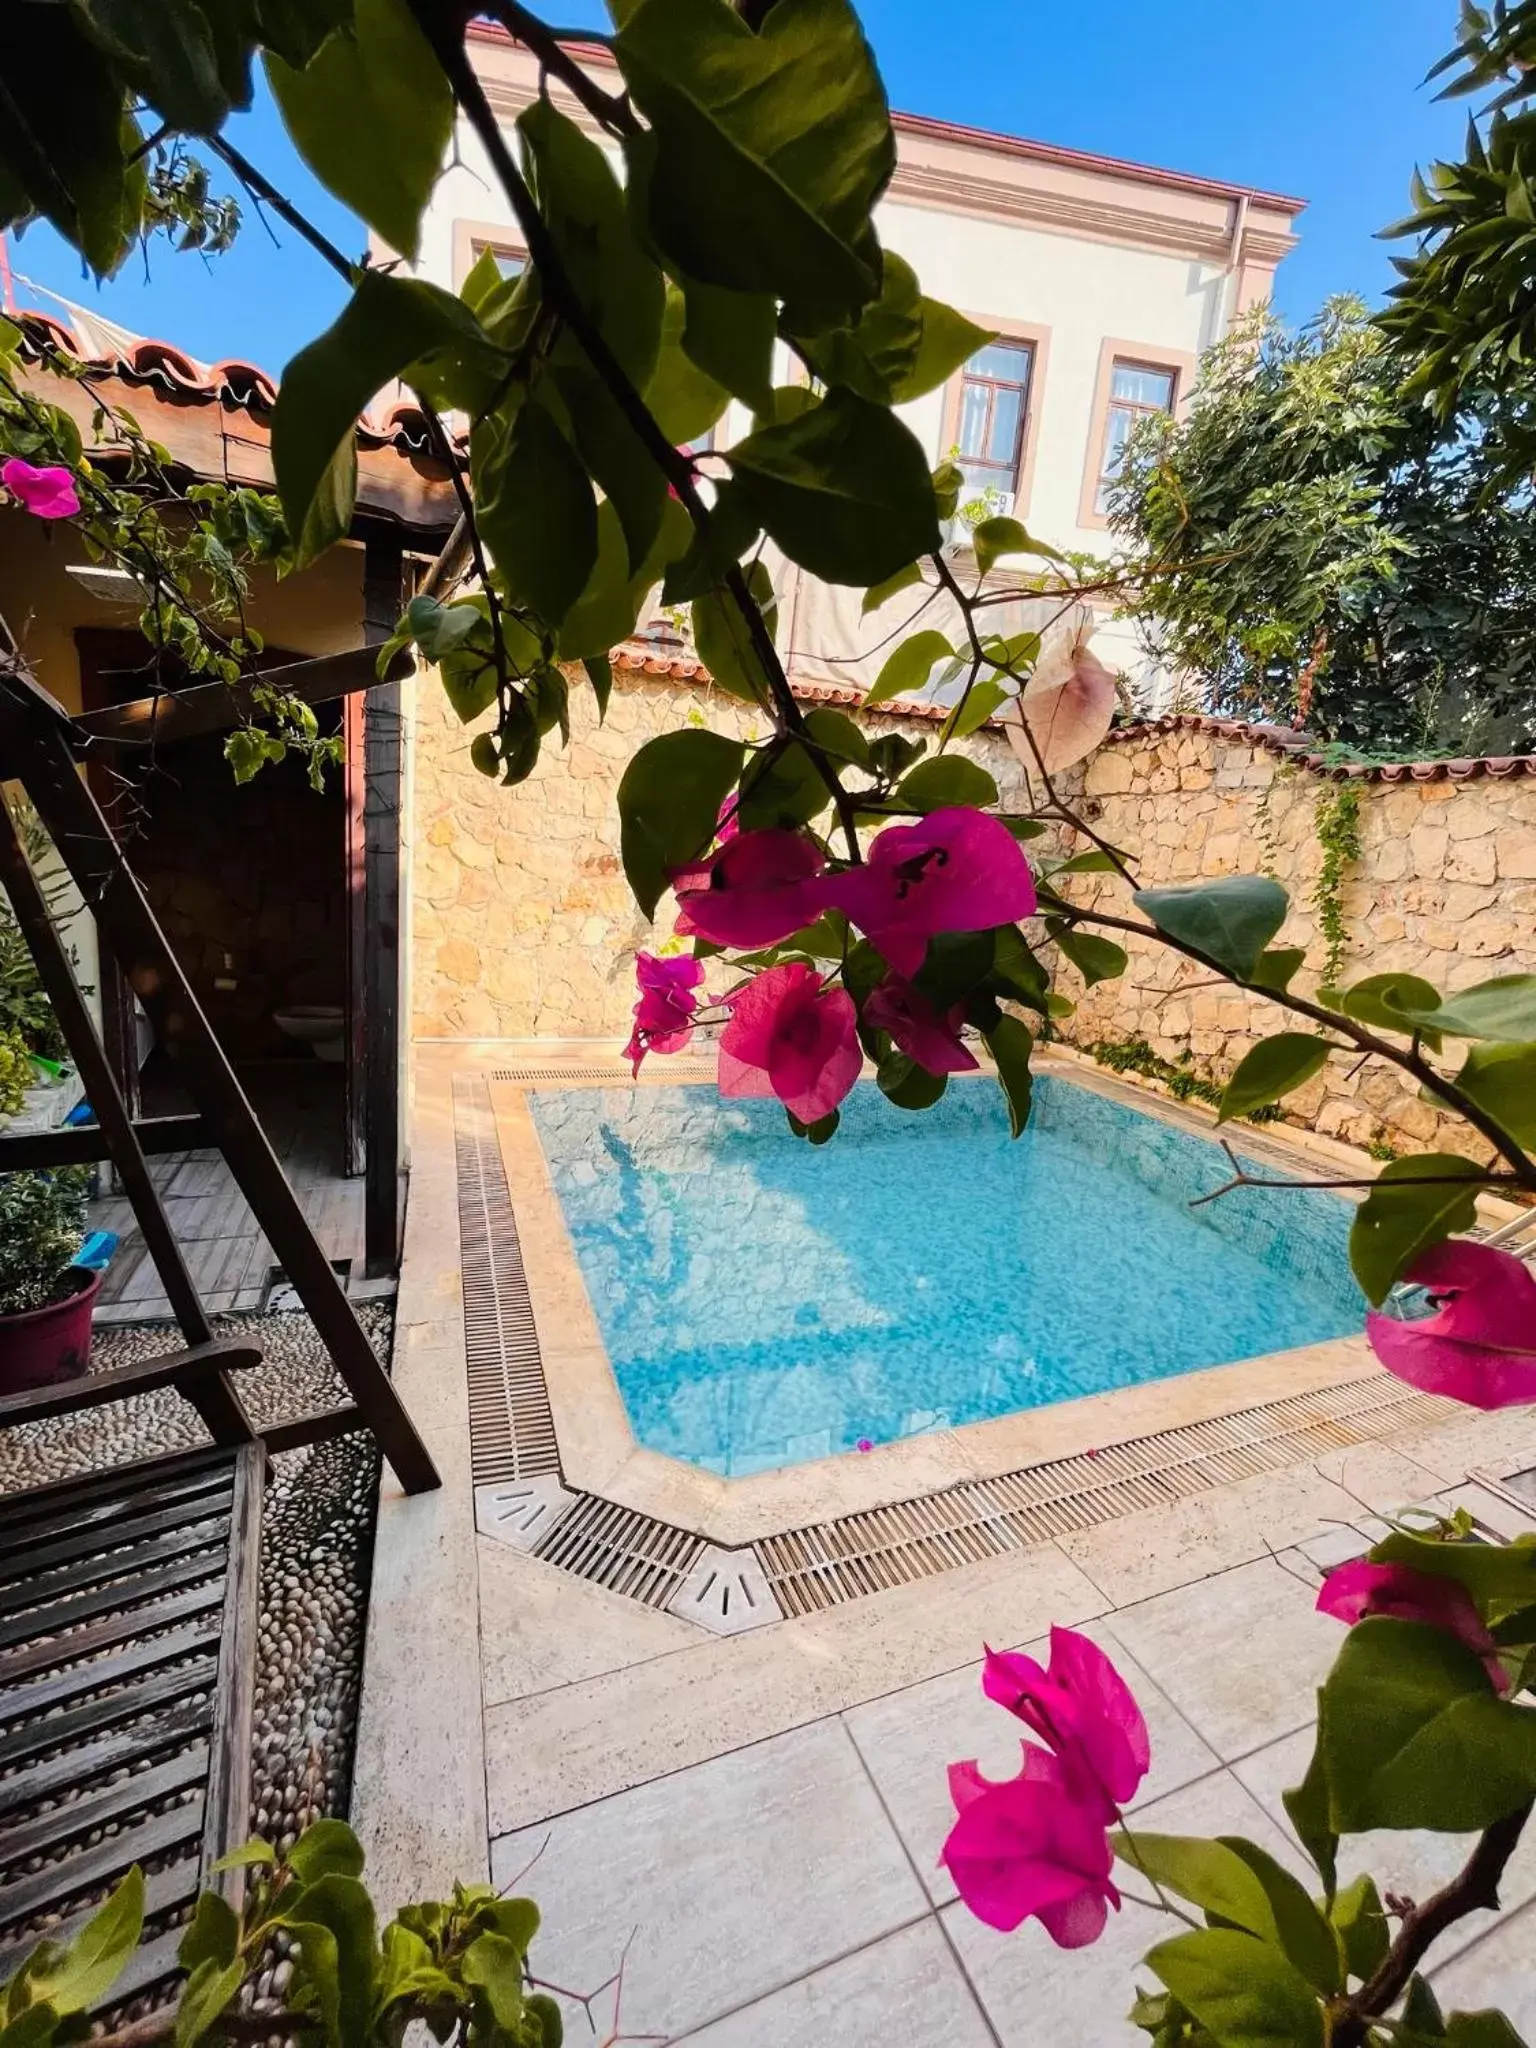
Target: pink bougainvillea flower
49,493
727,825
794,1036
1068,706
956,870
967,1781
1480,1344
1083,1708
917,1028
753,891
664,1013
1353,1591
1028,1848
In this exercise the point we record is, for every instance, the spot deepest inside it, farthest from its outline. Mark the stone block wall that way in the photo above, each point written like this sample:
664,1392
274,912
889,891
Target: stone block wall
1445,887
522,922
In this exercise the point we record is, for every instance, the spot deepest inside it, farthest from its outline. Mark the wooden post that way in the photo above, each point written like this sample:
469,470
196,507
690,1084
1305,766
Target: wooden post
354,1130
212,1395
383,787
34,744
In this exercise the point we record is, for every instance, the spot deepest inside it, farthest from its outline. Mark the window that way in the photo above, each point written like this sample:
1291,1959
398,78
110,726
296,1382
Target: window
1136,390
994,411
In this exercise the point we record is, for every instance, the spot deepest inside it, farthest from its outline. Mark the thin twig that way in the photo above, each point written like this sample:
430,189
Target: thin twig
1242,1179
261,187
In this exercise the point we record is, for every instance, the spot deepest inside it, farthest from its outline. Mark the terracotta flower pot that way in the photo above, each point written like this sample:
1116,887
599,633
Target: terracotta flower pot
50,1343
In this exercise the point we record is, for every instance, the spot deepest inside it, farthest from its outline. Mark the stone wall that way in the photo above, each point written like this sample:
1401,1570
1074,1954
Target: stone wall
1445,887
523,923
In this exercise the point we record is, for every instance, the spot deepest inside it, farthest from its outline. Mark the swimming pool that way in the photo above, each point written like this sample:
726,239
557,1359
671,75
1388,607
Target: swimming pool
764,1302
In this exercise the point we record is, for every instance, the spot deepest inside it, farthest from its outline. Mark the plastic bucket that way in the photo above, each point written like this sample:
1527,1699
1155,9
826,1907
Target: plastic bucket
42,1345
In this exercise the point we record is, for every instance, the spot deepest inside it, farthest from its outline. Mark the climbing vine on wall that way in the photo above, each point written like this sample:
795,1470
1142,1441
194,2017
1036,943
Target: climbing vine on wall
1337,824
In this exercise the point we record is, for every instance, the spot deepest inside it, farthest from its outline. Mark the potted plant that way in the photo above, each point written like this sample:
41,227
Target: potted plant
46,1299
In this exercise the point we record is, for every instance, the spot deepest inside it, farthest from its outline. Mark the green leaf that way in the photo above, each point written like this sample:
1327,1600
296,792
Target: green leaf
81,1973
907,667
1017,974
483,756
993,537
326,1848
62,143
207,1993
1421,2009
1504,1009
843,488
973,709
1480,2030
551,2024
495,1965
600,675
1243,1992
903,1082
1384,1000
1502,1080
769,149
537,513
955,965
685,400
882,593
167,47
1094,958
873,355
387,325
782,787
1293,1921
730,336
1306,1805
371,114
1010,1044
1402,1216
1362,1923
584,208
213,1933
1499,1576
339,1904
836,734
1277,967
1231,920
1093,862
245,1857
952,779
1415,1737
669,798
949,340
724,643
1233,1880
1272,1069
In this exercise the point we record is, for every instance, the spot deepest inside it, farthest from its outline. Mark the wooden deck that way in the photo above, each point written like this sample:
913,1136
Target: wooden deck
230,1261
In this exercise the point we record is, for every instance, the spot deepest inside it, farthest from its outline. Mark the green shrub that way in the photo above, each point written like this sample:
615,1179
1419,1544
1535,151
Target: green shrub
16,1071
42,1226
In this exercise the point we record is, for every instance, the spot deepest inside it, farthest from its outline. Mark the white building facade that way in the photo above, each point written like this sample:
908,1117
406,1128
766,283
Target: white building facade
1102,281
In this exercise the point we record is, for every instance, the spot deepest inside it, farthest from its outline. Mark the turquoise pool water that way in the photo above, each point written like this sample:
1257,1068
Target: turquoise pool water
765,1302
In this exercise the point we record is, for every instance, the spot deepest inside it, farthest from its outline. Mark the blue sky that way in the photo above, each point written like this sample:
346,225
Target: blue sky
1319,98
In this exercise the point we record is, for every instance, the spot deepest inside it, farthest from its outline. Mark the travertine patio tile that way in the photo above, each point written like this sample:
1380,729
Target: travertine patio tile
541,1628
908,1739
907,1987
1381,1477
1240,1655
733,1879
1137,1556
1498,1971
1410,1862
559,1750
1035,1993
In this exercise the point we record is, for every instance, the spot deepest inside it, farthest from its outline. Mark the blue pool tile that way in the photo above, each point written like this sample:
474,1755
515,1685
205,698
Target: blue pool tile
765,1302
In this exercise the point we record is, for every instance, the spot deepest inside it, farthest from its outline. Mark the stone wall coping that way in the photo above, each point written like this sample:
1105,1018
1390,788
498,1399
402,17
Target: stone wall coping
1283,740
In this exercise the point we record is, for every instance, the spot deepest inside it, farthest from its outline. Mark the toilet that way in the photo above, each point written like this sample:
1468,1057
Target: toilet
321,1026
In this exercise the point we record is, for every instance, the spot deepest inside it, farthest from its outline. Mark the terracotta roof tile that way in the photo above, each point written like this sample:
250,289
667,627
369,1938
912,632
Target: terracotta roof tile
1301,748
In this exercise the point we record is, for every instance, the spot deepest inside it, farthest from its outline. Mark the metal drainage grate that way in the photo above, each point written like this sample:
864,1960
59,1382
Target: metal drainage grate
511,1429
623,1550
618,1071
831,1562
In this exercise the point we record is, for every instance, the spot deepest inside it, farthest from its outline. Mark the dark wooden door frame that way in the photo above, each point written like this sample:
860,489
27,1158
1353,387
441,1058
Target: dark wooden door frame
383,743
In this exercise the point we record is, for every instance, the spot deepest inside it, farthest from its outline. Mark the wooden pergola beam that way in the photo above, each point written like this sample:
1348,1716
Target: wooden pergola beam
219,707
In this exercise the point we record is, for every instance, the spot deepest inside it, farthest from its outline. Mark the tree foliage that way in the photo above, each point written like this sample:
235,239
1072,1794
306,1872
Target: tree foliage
1324,549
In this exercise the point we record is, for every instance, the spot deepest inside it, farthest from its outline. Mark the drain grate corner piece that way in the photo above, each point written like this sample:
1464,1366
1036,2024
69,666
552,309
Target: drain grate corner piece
622,1549
727,1592
511,1428
521,1512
